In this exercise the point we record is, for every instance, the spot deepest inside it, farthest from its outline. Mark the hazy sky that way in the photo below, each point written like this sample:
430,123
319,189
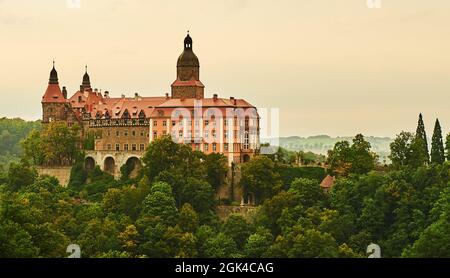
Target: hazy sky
331,66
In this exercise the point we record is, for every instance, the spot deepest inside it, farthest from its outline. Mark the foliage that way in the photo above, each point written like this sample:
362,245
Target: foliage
437,145
12,131
56,145
260,178
357,158
407,150
421,135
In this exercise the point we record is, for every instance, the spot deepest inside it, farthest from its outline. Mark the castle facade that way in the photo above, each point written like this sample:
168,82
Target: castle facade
122,127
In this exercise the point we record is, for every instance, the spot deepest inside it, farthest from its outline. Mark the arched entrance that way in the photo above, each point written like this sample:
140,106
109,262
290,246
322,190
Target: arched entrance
110,165
134,166
89,163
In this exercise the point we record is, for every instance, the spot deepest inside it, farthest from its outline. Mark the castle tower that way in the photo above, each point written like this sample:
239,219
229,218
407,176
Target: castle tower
86,85
54,104
188,84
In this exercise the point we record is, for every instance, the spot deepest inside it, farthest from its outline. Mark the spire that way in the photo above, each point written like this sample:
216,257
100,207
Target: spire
86,80
188,42
53,75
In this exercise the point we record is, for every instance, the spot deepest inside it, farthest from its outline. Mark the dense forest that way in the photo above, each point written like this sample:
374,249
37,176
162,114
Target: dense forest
12,131
169,209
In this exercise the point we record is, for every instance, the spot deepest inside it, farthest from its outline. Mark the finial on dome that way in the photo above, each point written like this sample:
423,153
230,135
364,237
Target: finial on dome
53,75
188,42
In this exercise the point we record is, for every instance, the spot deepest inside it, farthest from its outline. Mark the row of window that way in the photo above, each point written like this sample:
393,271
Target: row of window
126,147
125,133
214,147
206,122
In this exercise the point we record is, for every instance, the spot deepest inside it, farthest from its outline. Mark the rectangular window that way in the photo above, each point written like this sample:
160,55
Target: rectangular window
117,133
117,147
214,134
206,123
108,133
133,147
173,123
225,134
225,147
206,147
214,147
125,133
155,123
142,147
142,133
225,122
133,133
197,147
109,147
164,123
155,135
180,134
206,134
125,147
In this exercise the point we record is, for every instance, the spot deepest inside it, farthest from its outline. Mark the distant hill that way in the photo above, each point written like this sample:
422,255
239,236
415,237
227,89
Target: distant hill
320,144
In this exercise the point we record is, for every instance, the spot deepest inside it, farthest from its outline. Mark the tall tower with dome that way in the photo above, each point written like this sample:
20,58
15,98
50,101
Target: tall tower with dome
188,84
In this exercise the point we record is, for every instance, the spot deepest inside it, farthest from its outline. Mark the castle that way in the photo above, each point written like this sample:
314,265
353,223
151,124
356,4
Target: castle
122,127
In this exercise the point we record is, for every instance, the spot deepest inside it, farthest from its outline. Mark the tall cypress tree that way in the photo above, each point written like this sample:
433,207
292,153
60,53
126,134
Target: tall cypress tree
437,145
422,135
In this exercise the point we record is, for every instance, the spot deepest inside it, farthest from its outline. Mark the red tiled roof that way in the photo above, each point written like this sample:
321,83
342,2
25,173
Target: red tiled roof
117,106
53,94
328,182
205,102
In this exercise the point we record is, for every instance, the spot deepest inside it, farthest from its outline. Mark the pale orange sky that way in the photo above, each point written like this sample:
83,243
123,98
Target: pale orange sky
331,66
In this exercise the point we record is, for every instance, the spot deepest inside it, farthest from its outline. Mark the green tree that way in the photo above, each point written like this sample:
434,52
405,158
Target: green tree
20,175
433,243
188,220
339,158
199,193
162,155
422,135
237,227
363,160
258,243
407,150
160,204
260,177
15,242
437,145
220,246
32,147
357,158
217,169
309,192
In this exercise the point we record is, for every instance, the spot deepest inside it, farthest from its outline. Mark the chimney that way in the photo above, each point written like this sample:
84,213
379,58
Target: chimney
64,92
215,96
123,96
167,95
136,96
106,94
